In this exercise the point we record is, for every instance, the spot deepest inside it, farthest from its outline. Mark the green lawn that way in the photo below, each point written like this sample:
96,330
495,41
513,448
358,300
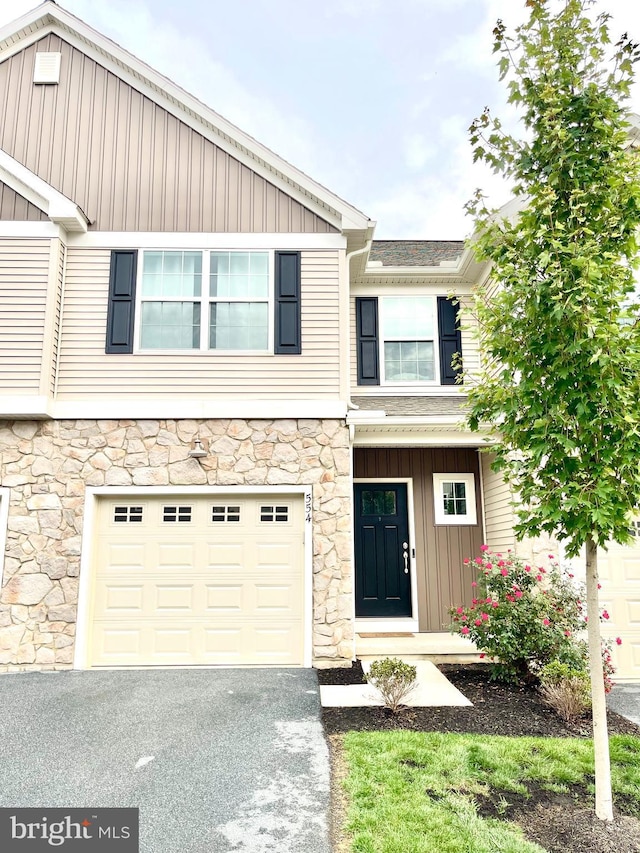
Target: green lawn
413,792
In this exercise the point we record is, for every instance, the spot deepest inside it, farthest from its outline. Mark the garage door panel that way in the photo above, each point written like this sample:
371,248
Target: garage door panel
198,581
273,554
119,642
172,641
172,556
224,597
173,597
272,597
125,597
223,556
619,570
633,612
125,555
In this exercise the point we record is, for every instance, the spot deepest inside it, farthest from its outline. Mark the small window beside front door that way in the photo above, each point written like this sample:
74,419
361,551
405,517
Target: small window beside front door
454,498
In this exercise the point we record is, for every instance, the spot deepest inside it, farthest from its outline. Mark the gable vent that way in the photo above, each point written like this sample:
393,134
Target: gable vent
47,68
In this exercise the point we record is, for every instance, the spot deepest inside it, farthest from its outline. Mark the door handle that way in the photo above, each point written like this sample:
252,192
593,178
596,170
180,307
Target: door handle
405,555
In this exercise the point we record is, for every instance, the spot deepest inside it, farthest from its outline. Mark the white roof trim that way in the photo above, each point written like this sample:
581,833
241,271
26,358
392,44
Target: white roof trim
48,17
60,210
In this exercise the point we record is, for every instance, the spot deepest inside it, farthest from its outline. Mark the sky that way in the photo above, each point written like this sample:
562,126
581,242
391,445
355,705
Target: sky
371,98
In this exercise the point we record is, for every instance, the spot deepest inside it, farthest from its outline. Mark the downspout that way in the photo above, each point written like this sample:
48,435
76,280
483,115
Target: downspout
352,405
365,248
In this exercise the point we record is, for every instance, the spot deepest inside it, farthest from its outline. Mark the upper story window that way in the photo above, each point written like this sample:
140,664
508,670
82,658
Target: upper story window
205,300
408,326
407,340
186,300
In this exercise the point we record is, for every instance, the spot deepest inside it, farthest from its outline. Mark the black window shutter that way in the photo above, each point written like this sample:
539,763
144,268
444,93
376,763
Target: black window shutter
122,300
288,325
450,339
367,335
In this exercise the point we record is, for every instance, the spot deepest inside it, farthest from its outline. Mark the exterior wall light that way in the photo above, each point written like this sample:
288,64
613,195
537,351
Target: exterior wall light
198,450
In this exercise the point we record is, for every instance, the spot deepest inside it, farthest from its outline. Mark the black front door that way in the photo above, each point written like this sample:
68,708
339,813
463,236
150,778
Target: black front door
383,579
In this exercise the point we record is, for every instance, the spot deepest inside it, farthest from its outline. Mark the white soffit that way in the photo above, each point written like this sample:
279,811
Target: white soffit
49,17
60,209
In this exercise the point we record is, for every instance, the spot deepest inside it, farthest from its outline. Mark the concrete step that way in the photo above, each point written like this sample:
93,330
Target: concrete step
438,647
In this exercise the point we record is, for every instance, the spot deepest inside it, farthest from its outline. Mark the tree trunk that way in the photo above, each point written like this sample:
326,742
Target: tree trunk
604,800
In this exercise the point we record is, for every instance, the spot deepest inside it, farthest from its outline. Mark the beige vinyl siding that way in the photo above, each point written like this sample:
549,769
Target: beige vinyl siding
353,351
24,273
470,352
57,329
16,208
498,511
469,339
86,372
129,164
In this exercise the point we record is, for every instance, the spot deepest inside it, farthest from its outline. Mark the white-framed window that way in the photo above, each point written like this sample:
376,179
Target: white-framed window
408,340
205,300
454,497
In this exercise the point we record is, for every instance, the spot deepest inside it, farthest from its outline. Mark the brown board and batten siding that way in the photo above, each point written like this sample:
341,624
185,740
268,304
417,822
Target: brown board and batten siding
16,208
442,578
86,372
129,164
24,276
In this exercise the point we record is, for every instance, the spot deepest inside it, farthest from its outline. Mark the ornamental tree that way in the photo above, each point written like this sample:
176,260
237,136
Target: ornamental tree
561,333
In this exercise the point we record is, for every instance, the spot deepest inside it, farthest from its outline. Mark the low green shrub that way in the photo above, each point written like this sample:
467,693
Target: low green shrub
565,687
394,679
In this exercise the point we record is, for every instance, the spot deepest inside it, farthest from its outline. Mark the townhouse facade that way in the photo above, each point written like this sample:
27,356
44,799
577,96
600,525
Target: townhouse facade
231,426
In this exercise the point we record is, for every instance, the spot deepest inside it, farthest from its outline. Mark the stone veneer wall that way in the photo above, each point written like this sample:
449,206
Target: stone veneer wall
47,465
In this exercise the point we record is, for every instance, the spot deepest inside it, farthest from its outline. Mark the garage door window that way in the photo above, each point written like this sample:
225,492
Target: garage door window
225,513
176,513
124,514
274,513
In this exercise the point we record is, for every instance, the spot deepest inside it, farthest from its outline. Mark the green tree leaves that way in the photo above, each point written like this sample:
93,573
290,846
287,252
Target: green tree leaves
561,334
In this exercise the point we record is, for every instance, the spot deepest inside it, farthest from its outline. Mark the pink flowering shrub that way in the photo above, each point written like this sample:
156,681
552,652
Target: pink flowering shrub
522,616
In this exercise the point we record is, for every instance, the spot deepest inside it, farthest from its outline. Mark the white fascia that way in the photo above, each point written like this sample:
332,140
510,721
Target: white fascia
390,436
51,18
60,209
202,240
177,408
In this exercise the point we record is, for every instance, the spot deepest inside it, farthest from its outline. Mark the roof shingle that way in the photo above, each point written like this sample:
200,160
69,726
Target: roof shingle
415,253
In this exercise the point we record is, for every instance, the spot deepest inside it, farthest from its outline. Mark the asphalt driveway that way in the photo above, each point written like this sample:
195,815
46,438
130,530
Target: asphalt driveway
216,760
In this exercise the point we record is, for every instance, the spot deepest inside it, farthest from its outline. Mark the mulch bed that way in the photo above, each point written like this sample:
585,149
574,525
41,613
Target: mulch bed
560,823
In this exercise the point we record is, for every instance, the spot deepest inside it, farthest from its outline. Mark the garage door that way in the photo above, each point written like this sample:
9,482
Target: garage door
619,569
198,580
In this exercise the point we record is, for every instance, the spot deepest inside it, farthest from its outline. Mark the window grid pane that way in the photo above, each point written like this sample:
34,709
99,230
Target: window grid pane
409,361
239,326
172,275
455,498
170,325
239,275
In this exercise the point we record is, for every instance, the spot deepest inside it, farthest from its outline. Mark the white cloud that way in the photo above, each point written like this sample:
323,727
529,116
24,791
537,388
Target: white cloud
418,151
433,207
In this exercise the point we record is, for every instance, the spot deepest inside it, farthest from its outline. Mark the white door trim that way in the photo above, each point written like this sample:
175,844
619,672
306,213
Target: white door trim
5,494
93,494
406,623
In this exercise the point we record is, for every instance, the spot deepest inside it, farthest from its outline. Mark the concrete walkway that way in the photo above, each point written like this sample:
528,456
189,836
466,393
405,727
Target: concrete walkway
432,689
624,699
215,759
